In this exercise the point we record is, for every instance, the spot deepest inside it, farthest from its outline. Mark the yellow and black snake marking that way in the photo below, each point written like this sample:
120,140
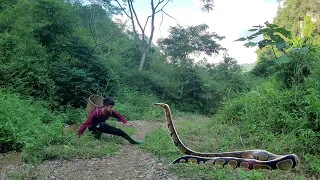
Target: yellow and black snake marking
248,159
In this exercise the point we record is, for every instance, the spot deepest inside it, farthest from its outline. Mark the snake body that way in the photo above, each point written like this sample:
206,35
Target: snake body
248,159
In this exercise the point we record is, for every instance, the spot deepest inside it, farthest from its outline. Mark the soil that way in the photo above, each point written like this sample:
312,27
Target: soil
129,163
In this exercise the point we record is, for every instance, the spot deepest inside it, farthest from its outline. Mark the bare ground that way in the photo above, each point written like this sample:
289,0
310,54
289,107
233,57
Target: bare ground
129,163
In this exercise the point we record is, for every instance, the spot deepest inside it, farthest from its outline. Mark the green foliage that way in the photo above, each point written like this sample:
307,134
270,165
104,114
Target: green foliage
136,106
207,5
159,143
193,40
264,68
24,67
28,125
194,88
74,115
308,27
216,135
273,36
293,66
277,114
46,54
86,146
283,102
294,11
75,50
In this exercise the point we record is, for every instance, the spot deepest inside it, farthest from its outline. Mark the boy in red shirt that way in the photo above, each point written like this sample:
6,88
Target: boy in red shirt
96,122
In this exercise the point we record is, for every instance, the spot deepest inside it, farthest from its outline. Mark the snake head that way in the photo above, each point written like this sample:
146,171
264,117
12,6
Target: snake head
161,105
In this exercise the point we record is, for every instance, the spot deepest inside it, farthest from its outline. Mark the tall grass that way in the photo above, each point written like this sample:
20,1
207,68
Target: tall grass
210,135
27,126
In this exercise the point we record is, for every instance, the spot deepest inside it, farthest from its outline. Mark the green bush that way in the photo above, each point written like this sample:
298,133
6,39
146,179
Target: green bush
135,105
28,126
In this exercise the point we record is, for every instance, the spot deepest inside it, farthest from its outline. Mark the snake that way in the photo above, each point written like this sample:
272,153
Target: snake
247,159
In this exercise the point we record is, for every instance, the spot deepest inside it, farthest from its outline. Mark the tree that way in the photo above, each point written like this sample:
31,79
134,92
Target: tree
184,42
292,13
96,19
145,42
308,27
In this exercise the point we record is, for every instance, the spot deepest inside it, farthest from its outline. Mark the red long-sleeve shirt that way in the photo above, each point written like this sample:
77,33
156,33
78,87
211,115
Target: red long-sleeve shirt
97,116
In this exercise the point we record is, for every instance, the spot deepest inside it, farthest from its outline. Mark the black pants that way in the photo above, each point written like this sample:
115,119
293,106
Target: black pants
103,127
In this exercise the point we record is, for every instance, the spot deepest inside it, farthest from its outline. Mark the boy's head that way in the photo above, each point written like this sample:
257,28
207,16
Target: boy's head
108,101
108,104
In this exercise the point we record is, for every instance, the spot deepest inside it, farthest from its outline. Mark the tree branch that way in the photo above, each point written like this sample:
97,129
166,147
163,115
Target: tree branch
133,25
162,6
171,17
123,9
136,17
161,24
107,39
156,11
152,24
159,2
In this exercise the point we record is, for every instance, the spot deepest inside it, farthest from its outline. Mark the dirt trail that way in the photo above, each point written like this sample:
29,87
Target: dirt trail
129,163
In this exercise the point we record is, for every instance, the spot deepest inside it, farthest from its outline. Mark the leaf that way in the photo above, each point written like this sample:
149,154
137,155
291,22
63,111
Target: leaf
276,38
283,60
271,26
264,43
240,39
260,32
251,37
250,44
303,50
280,45
253,29
284,32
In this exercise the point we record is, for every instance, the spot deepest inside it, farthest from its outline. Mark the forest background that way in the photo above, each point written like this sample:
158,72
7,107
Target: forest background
55,53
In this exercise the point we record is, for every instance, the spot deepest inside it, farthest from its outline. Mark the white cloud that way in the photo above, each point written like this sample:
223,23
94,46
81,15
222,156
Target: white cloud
230,18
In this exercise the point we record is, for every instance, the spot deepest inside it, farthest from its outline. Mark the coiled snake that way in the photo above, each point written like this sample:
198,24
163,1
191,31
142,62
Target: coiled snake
248,159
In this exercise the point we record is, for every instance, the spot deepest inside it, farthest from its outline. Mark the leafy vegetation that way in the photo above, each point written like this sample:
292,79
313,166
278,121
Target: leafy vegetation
55,53
29,126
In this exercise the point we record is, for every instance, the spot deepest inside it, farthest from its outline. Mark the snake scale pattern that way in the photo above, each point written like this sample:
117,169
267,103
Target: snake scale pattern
248,159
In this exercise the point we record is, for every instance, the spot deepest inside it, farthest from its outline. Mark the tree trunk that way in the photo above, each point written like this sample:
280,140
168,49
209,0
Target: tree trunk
143,59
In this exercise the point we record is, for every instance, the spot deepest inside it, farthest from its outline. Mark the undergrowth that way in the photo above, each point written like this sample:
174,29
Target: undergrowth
212,135
27,126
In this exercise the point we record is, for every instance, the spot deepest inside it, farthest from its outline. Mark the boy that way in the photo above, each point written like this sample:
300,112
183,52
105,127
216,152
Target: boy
96,122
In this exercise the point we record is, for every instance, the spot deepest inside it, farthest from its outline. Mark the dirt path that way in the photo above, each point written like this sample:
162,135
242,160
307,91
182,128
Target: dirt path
130,163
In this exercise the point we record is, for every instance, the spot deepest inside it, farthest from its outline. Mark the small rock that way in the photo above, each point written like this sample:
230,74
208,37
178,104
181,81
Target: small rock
53,177
109,172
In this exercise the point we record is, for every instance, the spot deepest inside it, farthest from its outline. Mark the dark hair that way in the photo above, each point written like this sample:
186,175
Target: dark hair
108,101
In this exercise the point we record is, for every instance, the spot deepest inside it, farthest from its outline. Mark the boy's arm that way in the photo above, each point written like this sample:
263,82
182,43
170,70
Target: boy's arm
87,123
119,117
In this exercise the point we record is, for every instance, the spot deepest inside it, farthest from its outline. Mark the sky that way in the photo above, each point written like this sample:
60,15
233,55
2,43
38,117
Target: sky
229,18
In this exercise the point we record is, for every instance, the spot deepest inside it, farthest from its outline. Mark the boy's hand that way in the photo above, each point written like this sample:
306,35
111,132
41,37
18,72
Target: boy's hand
128,124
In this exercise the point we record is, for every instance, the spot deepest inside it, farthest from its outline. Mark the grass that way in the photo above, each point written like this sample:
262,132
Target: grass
40,134
74,147
207,135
